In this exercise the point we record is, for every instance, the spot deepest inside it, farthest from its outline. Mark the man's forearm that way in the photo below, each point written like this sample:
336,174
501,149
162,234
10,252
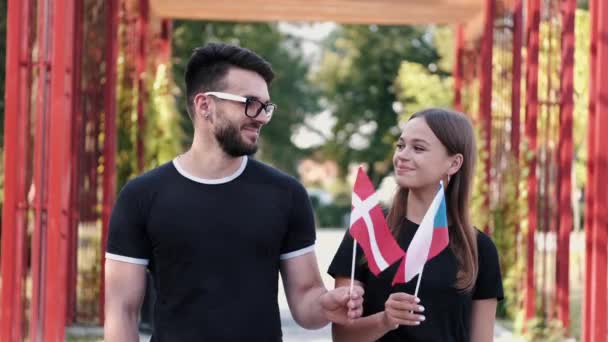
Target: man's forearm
364,329
309,312
121,327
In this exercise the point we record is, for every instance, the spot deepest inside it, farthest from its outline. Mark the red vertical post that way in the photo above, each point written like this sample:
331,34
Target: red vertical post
60,128
109,148
41,165
142,38
458,56
16,144
599,331
589,190
516,81
533,25
565,151
75,162
485,91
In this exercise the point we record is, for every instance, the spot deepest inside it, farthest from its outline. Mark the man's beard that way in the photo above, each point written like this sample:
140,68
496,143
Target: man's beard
229,138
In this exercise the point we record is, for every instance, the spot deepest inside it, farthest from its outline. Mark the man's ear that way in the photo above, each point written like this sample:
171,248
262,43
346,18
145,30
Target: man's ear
455,163
203,106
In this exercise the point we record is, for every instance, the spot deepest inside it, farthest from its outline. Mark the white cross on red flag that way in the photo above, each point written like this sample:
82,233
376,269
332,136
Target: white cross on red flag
368,226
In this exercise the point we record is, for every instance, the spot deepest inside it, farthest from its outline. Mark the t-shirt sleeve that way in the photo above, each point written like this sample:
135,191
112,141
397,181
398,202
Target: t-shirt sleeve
301,235
127,237
341,264
489,279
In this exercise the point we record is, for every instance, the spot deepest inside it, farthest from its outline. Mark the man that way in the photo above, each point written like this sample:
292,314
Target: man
214,227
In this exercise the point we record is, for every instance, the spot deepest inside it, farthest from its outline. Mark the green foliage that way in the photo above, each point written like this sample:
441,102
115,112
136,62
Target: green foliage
291,90
333,214
418,88
357,76
538,330
163,133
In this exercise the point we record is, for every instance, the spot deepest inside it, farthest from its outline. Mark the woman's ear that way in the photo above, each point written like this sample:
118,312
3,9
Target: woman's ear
455,163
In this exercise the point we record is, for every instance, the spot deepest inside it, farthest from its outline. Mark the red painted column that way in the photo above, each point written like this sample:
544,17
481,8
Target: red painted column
142,38
75,163
41,166
599,271
109,148
516,81
485,91
60,129
457,74
16,144
565,155
589,189
533,25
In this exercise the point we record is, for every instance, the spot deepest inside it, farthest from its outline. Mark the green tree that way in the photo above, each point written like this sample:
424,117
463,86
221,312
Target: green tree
292,90
357,77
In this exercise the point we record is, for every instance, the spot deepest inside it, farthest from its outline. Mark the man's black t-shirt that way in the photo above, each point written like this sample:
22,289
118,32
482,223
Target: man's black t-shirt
447,310
213,247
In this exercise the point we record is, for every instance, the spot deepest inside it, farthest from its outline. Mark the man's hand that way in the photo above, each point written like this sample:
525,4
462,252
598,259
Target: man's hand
401,309
340,306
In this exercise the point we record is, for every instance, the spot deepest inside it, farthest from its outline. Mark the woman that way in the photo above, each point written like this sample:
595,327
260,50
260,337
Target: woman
461,286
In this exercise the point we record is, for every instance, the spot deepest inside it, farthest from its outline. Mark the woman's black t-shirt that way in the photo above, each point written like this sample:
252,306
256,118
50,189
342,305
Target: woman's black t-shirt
447,309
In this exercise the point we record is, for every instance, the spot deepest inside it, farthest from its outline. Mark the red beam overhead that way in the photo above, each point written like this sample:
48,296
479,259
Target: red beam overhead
565,151
532,43
589,193
16,144
387,12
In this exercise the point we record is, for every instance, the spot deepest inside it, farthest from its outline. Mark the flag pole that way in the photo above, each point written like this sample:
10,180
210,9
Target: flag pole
418,282
352,268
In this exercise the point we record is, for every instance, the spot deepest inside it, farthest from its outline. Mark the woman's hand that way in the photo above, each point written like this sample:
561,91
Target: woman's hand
402,309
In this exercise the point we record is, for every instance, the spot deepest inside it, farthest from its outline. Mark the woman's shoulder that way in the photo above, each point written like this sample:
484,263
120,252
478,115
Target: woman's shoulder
485,244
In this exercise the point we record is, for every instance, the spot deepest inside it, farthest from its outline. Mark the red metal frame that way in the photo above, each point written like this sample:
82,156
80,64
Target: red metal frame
589,189
109,149
458,59
75,162
599,285
140,65
485,91
565,152
516,81
41,154
533,25
16,161
59,139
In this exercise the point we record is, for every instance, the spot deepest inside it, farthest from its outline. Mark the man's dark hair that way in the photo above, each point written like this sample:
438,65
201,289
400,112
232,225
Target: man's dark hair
210,63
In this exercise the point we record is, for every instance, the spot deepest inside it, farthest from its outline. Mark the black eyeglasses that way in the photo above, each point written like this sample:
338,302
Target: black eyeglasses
253,107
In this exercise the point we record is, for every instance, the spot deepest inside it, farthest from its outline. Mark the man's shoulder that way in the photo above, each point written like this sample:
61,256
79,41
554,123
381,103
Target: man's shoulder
153,178
270,174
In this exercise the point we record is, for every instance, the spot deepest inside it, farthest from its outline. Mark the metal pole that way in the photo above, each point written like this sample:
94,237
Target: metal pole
565,151
589,193
16,144
533,25
485,92
109,149
458,54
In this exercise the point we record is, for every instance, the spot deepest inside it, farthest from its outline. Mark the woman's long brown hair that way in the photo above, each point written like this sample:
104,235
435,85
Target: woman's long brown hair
455,132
